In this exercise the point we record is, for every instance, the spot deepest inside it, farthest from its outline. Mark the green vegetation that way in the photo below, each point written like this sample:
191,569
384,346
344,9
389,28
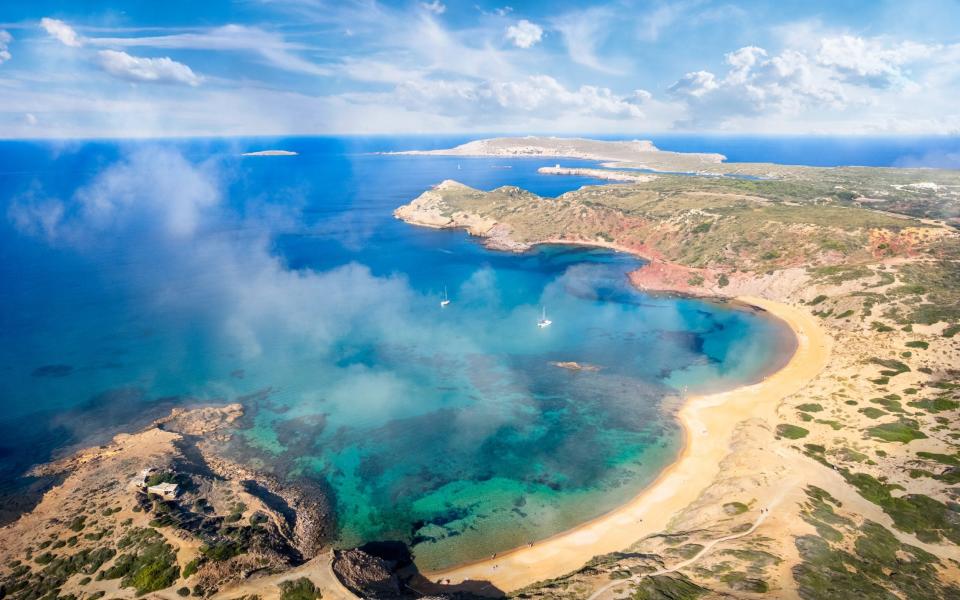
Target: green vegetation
702,227
674,586
741,582
190,568
158,478
810,407
735,508
150,565
892,366
872,412
935,405
891,402
298,589
918,344
687,550
837,274
927,518
236,512
903,431
221,550
78,523
944,459
818,300
24,584
792,432
877,566
848,454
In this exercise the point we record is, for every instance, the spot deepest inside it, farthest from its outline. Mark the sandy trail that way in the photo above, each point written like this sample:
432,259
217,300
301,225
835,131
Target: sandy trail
709,422
319,570
708,547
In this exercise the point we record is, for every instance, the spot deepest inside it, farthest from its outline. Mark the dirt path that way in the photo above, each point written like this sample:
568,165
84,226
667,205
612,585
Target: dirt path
319,570
707,548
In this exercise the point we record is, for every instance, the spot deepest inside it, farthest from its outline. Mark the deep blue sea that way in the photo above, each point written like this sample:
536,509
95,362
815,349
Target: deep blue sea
138,276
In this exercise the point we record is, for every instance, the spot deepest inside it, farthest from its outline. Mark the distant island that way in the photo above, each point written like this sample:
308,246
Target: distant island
270,153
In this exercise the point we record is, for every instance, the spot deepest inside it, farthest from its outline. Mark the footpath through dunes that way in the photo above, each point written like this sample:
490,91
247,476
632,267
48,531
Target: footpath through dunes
709,422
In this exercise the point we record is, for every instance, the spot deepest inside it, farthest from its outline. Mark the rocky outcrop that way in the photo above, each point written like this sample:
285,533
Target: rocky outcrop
597,174
366,575
203,421
304,508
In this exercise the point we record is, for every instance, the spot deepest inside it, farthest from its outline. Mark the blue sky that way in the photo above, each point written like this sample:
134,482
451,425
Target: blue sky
274,67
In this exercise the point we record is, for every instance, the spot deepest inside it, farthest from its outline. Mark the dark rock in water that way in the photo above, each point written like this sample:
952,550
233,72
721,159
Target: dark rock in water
52,371
368,576
385,571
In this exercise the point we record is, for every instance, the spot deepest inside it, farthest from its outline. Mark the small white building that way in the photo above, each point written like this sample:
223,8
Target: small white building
167,491
140,481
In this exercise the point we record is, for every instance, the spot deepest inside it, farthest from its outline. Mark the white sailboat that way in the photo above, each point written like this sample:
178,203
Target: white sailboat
446,300
544,321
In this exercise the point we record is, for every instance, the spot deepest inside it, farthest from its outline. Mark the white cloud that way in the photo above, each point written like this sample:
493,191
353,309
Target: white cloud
61,31
156,70
436,7
742,61
583,33
537,95
435,48
756,84
826,79
696,84
5,39
524,34
378,70
652,21
273,48
871,61
30,119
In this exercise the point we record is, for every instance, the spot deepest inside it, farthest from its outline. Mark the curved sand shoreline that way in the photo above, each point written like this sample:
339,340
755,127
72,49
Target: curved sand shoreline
708,422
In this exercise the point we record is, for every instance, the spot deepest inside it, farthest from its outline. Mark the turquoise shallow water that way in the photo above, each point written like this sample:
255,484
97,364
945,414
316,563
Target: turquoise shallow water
143,276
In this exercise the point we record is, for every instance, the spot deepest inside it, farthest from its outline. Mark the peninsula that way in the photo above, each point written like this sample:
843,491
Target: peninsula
833,473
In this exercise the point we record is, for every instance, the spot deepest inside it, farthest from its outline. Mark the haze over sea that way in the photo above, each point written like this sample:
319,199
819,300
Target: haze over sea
138,276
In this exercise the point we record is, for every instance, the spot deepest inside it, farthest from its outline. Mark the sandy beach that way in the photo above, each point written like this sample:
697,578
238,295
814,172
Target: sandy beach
708,422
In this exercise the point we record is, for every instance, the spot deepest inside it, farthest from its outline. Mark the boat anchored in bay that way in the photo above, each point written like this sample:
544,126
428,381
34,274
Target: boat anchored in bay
544,321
